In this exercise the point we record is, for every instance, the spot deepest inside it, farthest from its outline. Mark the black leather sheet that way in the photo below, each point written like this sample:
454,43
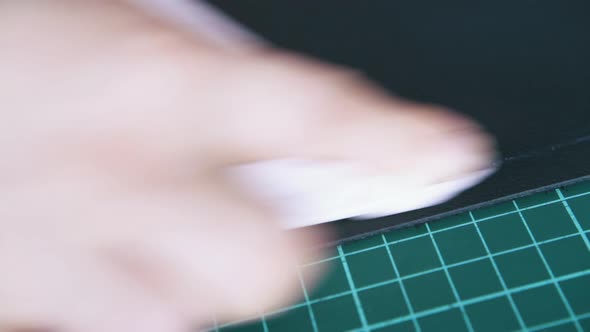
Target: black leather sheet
521,68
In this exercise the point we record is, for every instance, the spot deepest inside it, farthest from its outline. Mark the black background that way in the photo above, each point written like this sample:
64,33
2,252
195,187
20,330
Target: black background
519,67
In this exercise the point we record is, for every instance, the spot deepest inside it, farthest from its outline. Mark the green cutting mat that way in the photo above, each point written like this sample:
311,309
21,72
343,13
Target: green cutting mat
520,265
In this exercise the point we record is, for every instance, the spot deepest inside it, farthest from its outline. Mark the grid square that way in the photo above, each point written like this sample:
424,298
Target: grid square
333,281
493,210
429,290
406,232
298,297
383,303
348,317
370,267
568,327
549,221
521,267
536,199
577,292
369,242
276,307
414,255
451,221
581,208
540,305
566,255
452,320
407,326
244,327
585,324
475,279
307,259
503,233
294,320
459,244
575,189
492,315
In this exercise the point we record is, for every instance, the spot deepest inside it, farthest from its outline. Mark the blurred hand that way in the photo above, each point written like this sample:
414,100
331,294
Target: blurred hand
115,129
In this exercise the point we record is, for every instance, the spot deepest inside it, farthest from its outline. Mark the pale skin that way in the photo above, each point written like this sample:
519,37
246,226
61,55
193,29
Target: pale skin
115,129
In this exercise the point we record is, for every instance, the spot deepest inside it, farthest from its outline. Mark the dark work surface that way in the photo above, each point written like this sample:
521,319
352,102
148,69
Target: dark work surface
521,68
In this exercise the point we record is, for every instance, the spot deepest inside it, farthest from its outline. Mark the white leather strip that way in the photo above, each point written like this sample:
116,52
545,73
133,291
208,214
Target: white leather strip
308,193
